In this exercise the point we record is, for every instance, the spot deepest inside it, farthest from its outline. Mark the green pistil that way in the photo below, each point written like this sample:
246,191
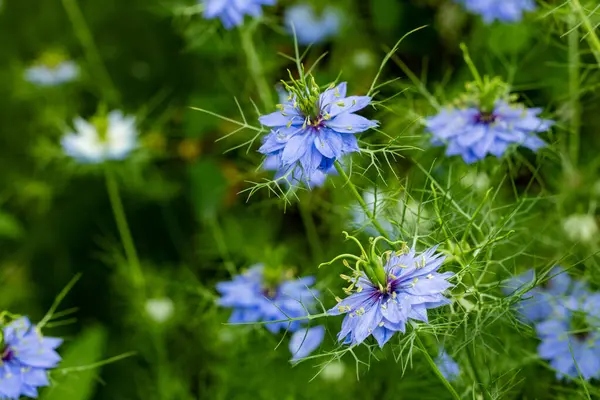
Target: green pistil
306,93
101,124
52,59
579,325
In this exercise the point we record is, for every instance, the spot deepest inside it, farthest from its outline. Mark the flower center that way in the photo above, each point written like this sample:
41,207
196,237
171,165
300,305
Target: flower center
269,292
485,118
579,326
8,354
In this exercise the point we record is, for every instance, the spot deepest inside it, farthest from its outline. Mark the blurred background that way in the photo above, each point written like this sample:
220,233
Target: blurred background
191,226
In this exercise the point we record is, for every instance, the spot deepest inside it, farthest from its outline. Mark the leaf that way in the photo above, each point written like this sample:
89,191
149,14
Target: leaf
10,227
78,385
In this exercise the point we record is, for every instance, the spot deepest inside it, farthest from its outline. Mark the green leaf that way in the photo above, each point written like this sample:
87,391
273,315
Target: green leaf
10,227
73,384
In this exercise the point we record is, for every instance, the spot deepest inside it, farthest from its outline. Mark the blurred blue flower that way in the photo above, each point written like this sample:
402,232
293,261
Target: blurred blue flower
310,27
304,144
472,133
447,366
413,287
502,10
253,300
538,302
305,341
572,335
232,12
26,358
44,75
110,138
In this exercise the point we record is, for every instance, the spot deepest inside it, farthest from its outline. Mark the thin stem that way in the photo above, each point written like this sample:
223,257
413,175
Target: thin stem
137,276
360,200
591,35
435,369
475,370
86,39
574,90
471,65
255,67
311,229
221,244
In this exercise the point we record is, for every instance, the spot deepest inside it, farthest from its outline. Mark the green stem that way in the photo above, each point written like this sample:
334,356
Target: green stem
86,39
311,229
476,374
137,276
360,200
574,90
255,67
436,369
471,65
591,35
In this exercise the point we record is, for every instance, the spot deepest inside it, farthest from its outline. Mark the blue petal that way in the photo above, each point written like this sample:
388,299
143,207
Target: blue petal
350,123
305,341
329,143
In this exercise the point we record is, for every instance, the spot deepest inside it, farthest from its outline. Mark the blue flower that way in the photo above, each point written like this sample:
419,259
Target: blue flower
305,341
472,133
26,358
43,75
310,27
537,302
413,286
311,133
232,12
571,336
253,300
447,366
502,10
111,138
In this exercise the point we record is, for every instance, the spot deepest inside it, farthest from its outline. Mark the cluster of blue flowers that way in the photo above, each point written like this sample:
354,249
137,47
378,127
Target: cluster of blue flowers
501,10
253,300
311,131
26,358
566,315
474,133
382,305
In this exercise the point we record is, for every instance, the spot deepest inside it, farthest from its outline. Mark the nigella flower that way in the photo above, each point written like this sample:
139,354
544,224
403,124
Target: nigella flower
447,366
232,12
311,131
472,133
503,10
412,286
26,358
105,138
571,336
310,27
52,75
253,300
537,303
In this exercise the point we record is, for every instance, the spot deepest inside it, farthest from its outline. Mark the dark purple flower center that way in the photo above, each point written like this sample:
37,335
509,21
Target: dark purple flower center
485,118
269,292
8,354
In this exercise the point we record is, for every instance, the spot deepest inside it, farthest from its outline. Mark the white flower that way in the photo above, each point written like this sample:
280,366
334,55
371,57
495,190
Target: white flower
334,371
160,309
580,227
478,181
47,75
363,59
111,138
